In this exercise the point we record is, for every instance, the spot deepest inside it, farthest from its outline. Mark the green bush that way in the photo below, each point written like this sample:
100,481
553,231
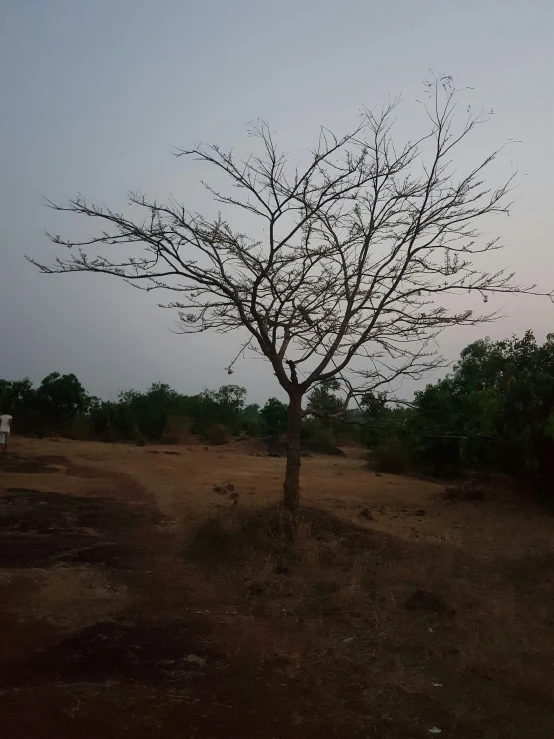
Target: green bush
389,456
177,430
140,439
81,427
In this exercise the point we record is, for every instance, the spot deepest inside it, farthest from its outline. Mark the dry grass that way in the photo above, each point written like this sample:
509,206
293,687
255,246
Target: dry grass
217,435
322,624
474,656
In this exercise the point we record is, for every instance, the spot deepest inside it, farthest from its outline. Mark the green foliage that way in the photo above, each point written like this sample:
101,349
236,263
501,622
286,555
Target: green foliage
377,419
177,430
389,455
324,404
162,414
80,427
252,421
50,407
327,423
140,439
18,398
149,412
15,395
61,397
225,406
274,415
495,412
61,405
313,432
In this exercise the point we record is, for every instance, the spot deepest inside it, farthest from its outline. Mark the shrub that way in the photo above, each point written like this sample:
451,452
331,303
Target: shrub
80,427
140,439
177,430
313,432
217,434
389,456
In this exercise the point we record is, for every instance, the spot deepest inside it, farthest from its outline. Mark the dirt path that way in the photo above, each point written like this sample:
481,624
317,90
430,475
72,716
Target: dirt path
151,649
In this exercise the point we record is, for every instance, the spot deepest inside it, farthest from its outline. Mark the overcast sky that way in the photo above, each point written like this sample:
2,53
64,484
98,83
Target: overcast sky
95,93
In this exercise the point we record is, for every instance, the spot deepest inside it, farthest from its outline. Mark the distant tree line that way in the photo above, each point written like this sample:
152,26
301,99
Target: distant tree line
494,412
61,405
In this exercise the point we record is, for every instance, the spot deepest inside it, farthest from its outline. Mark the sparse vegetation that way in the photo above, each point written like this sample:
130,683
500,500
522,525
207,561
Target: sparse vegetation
390,619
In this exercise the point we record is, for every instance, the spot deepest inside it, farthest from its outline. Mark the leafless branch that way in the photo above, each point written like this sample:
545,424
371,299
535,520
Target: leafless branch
359,249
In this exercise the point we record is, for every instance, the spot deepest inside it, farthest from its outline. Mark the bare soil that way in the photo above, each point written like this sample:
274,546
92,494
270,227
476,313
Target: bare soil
150,595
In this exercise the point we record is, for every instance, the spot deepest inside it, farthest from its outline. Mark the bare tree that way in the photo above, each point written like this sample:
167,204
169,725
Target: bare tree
356,252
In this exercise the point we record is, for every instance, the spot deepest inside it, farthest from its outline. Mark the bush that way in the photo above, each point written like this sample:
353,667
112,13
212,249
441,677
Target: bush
140,439
313,432
177,431
322,447
389,456
80,427
217,435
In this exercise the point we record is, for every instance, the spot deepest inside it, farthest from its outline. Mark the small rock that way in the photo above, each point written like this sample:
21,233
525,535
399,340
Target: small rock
421,512
435,730
194,659
219,490
274,454
230,487
366,513
378,474
206,449
348,639
282,570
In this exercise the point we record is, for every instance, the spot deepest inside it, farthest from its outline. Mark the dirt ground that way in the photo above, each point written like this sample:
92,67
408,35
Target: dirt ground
139,597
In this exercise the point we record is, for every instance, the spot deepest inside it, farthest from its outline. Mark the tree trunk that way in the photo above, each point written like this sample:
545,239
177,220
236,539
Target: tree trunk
291,486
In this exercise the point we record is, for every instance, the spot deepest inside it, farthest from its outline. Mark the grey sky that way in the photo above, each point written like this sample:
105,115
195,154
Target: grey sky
96,92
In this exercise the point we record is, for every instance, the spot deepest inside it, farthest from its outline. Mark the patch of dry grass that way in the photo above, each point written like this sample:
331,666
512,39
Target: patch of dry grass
474,654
